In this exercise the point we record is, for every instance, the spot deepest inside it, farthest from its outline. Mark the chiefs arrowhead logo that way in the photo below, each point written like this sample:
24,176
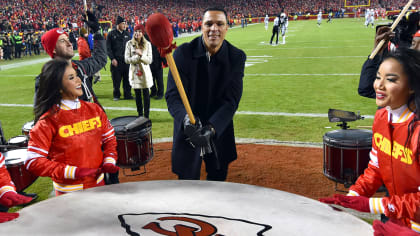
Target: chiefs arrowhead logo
184,224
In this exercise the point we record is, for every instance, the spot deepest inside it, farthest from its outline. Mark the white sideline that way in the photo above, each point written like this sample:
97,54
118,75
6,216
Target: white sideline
238,112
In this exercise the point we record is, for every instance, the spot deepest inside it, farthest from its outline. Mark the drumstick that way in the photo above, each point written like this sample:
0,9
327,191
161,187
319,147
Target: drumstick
400,16
160,33
85,6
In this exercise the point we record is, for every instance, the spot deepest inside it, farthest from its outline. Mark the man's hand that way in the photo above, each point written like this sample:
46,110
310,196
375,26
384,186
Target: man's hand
11,198
202,137
6,216
114,62
189,128
358,203
91,21
385,33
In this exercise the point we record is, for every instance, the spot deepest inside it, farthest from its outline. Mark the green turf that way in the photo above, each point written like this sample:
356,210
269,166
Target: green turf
278,81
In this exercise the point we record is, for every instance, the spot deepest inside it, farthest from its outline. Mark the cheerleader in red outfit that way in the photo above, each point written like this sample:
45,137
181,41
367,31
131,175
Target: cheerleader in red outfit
394,158
8,195
72,141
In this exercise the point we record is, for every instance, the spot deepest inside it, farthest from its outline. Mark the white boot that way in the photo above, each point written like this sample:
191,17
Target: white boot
284,40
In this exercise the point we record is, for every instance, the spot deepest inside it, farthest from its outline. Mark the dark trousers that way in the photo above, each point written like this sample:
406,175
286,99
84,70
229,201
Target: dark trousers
36,49
18,50
120,73
157,87
7,53
213,174
139,104
275,32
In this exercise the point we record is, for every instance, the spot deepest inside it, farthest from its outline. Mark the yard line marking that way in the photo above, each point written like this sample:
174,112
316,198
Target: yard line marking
271,74
287,48
345,74
27,63
238,112
257,141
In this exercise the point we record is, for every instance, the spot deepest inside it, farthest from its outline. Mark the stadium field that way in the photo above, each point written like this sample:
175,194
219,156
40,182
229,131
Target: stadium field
287,92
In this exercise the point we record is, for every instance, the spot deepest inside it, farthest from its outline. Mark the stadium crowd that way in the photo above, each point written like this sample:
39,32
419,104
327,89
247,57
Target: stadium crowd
23,22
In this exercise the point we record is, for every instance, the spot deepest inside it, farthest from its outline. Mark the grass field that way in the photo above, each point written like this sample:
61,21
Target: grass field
288,89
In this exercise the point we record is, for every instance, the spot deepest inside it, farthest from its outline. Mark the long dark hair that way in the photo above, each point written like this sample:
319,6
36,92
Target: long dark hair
50,84
409,59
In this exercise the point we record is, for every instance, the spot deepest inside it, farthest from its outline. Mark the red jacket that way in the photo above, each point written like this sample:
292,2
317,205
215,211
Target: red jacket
397,166
81,137
83,48
6,183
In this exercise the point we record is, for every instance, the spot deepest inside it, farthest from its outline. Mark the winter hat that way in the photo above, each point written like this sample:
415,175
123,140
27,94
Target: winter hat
417,34
120,20
139,27
49,40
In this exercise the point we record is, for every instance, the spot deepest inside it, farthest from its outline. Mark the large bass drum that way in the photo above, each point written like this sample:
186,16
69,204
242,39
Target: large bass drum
346,154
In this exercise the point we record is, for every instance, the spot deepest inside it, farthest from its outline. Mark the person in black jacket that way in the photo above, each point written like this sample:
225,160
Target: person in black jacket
116,41
211,70
157,89
405,38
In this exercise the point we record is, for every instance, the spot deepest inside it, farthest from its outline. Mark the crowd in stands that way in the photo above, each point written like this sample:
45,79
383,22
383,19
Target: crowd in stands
28,19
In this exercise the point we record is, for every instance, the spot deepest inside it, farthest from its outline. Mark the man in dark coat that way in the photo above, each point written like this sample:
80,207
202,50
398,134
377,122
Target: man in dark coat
211,70
115,43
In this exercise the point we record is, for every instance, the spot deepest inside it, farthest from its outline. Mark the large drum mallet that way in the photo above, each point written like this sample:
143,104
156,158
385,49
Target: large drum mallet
381,43
160,33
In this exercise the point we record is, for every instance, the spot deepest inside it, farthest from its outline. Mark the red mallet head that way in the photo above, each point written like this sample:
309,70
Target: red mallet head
160,31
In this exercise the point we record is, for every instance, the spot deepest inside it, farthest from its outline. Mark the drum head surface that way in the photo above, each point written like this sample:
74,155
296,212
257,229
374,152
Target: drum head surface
15,157
349,137
154,208
28,126
17,139
119,122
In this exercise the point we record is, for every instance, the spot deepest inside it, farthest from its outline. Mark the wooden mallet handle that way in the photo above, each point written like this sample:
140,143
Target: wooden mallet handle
179,86
160,33
400,16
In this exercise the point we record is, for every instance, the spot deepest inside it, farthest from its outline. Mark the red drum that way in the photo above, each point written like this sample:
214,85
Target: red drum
134,141
15,160
20,141
346,154
26,128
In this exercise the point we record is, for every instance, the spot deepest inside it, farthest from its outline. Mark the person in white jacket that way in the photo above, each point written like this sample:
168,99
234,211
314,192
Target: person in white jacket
138,53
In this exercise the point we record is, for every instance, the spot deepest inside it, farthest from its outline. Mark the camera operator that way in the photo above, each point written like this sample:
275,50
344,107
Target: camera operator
405,35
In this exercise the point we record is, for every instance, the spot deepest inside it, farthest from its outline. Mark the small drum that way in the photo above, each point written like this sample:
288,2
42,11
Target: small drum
15,160
134,141
27,127
20,141
346,154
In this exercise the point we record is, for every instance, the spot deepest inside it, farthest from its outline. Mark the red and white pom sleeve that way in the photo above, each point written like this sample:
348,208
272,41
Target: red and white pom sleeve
109,142
37,160
6,183
371,180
